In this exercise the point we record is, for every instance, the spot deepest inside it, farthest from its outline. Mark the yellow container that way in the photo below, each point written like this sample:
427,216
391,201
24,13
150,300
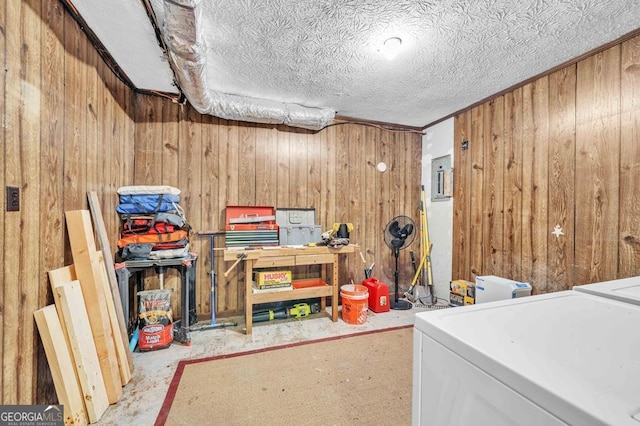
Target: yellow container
271,278
463,292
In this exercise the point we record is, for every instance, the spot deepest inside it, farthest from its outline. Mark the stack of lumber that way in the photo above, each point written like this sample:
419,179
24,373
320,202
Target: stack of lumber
83,333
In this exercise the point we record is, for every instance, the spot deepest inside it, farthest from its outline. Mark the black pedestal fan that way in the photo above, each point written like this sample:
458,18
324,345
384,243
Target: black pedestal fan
398,235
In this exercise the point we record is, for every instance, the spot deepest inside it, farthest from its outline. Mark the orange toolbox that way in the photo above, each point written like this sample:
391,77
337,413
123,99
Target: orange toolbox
250,218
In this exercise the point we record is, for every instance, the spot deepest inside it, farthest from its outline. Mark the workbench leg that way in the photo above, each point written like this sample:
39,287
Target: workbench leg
123,275
248,295
323,278
336,289
182,333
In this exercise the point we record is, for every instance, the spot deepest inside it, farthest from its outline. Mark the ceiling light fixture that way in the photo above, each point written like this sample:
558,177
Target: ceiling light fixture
392,47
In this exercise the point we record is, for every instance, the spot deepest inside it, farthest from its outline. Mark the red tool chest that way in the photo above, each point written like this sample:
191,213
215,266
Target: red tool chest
251,226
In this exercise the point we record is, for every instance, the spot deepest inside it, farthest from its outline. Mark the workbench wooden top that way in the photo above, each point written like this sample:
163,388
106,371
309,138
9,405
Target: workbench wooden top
231,254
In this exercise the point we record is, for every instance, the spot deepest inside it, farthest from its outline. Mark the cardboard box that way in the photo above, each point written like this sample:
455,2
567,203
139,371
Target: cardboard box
464,288
456,299
273,278
490,288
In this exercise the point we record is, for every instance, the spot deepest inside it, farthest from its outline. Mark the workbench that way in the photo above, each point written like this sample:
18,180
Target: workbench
277,257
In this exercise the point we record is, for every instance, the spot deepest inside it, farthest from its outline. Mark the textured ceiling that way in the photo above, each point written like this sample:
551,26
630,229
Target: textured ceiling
327,53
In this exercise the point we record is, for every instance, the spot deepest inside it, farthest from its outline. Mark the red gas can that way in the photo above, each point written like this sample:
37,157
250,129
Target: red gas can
378,295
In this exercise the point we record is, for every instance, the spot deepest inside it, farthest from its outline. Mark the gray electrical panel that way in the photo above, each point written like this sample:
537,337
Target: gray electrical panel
441,178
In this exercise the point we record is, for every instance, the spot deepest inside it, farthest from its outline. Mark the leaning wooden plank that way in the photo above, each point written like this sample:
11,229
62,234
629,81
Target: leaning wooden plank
61,365
122,350
103,240
85,261
57,278
83,349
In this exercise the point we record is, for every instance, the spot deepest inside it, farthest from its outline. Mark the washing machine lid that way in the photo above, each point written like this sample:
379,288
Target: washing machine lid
574,354
625,290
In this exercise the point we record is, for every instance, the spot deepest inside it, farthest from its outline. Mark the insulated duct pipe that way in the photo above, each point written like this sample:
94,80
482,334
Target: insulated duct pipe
186,52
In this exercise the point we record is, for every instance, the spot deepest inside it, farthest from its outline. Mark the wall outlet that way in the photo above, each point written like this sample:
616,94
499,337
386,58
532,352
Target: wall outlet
13,199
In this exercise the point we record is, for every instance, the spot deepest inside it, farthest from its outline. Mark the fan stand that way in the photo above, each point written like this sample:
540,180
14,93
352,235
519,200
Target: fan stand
396,303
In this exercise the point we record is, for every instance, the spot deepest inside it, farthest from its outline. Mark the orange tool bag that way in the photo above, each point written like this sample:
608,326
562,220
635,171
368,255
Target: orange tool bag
153,238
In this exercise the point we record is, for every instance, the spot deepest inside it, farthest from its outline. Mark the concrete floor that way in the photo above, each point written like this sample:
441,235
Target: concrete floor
153,371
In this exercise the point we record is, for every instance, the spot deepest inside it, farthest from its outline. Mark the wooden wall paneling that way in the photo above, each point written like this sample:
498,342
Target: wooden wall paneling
535,232
461,249
412,179
283,182
190,184
327,173
562,154
299,167
123,132
384,259
410,200
168,144
75,116
512,242
342,189
228,196
314,185
266,164
148,140
527,181
4,356
12,361
629,232
369,234
476,149
597,163
210,216
22,130
541,232
148,152
52,235
357,179
106,147
493,199
247,164
94,161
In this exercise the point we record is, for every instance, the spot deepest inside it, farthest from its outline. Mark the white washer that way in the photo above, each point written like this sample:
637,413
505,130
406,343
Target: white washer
553,359
625,290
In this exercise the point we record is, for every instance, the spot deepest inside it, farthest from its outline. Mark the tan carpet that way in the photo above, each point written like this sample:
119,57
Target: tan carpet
357,379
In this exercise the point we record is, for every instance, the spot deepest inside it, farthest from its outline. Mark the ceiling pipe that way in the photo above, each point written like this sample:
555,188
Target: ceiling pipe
186,53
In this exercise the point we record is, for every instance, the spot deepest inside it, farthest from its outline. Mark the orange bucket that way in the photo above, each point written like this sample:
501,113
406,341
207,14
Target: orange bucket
355,302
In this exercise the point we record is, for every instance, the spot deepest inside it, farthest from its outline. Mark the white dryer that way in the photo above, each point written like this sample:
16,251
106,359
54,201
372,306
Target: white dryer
625,290
565,358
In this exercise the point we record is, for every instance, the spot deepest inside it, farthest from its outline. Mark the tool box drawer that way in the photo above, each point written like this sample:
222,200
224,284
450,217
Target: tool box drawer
314,259
267,262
